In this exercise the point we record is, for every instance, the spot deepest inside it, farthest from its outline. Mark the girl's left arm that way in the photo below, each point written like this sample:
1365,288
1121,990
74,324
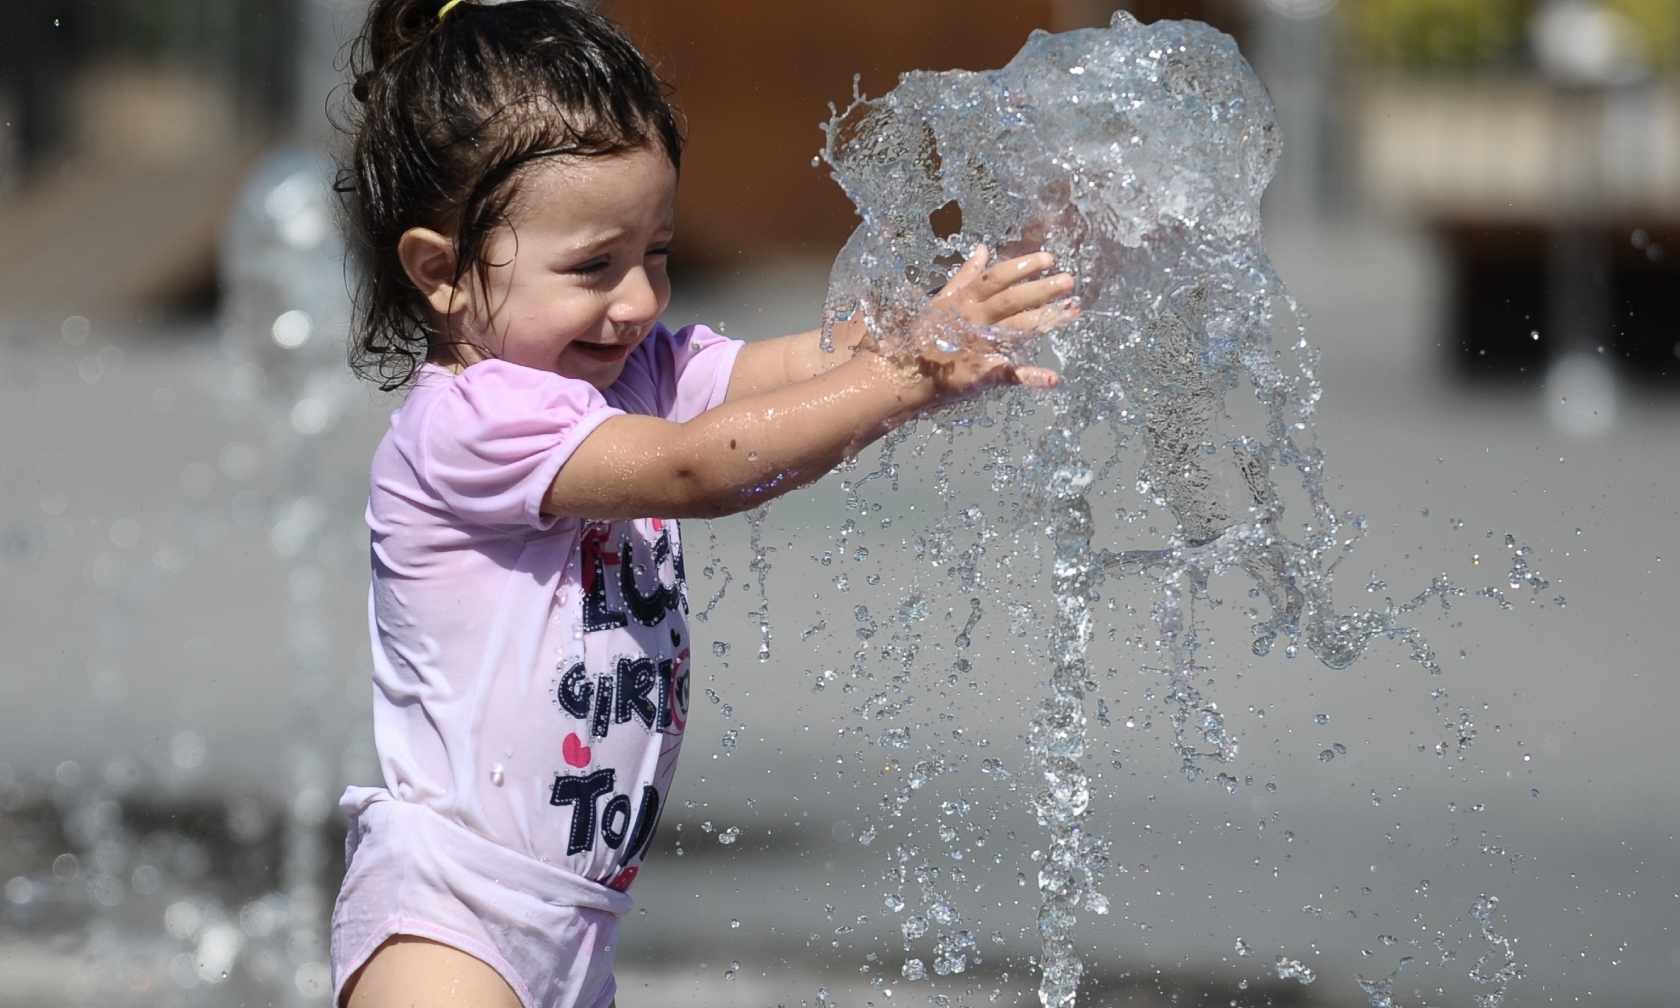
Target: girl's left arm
771,364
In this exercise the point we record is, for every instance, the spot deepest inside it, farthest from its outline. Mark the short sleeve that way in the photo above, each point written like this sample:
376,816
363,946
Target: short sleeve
493,441
677,376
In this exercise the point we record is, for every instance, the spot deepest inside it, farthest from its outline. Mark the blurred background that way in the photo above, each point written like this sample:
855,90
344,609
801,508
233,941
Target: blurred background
1479,210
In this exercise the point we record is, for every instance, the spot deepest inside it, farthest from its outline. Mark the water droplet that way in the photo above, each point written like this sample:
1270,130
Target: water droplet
1291,969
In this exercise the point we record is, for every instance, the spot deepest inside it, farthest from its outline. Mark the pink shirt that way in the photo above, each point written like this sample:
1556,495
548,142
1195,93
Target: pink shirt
531,673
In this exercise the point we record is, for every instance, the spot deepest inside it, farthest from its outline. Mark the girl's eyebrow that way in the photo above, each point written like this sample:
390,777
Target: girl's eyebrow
595,243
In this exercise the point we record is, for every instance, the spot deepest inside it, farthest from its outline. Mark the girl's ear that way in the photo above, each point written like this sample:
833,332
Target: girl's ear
429,260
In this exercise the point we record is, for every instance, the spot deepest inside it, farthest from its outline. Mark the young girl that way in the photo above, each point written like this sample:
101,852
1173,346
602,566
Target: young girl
511,189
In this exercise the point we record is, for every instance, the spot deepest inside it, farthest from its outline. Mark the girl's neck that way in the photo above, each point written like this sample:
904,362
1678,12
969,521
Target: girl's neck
454,357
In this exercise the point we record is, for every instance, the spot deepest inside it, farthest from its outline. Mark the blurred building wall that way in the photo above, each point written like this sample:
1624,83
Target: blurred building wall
131,123
755,80
129,113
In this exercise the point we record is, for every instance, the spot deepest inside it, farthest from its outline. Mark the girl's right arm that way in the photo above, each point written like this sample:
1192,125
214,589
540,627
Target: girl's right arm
761,444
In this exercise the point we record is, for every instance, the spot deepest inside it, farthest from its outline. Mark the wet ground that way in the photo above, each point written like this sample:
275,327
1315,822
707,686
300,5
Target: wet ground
145,665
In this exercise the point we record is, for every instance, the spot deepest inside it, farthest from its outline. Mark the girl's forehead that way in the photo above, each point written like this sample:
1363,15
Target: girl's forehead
634,184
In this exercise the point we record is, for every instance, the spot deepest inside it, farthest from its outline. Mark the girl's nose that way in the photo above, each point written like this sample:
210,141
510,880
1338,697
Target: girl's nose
636,300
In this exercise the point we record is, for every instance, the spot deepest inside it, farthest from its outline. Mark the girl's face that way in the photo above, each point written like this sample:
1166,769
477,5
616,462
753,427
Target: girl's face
578,277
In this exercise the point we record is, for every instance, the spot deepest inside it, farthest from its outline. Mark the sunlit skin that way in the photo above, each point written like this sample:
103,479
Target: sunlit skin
410,972
578,281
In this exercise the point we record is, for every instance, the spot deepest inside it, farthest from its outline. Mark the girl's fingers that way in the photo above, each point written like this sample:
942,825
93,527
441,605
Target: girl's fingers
1019,298
1037,377
974,266
1038,320
1008,273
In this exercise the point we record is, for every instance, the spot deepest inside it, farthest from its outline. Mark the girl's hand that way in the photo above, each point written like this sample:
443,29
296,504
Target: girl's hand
1004,295
959,358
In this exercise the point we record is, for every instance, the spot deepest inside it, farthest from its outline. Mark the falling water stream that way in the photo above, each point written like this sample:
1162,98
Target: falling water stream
1137,155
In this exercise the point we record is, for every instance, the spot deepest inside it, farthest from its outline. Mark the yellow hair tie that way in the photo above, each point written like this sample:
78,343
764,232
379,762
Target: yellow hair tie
451,5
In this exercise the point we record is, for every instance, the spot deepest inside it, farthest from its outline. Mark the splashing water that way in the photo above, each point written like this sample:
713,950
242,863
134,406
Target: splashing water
1293,969
760,566
1381,992
1498,966
1137,155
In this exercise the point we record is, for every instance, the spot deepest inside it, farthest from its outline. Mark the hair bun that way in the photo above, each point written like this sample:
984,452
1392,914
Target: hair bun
393,28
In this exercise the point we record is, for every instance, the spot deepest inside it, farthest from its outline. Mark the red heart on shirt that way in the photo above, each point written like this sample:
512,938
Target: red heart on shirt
621,882
576,753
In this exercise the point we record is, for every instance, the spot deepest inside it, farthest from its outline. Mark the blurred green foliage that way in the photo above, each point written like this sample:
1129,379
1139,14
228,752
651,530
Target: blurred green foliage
1428,34
1658,22
1444,34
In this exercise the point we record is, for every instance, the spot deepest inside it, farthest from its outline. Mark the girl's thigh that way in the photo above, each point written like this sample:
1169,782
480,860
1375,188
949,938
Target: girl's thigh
410,972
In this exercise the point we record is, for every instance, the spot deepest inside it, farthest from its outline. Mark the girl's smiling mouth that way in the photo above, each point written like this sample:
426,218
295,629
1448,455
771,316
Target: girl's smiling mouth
602,352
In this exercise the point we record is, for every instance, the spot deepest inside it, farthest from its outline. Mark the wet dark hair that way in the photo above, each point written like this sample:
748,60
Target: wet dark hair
447,113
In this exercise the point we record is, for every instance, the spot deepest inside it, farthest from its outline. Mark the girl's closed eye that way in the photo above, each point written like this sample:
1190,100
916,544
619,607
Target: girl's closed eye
591,267
602,264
